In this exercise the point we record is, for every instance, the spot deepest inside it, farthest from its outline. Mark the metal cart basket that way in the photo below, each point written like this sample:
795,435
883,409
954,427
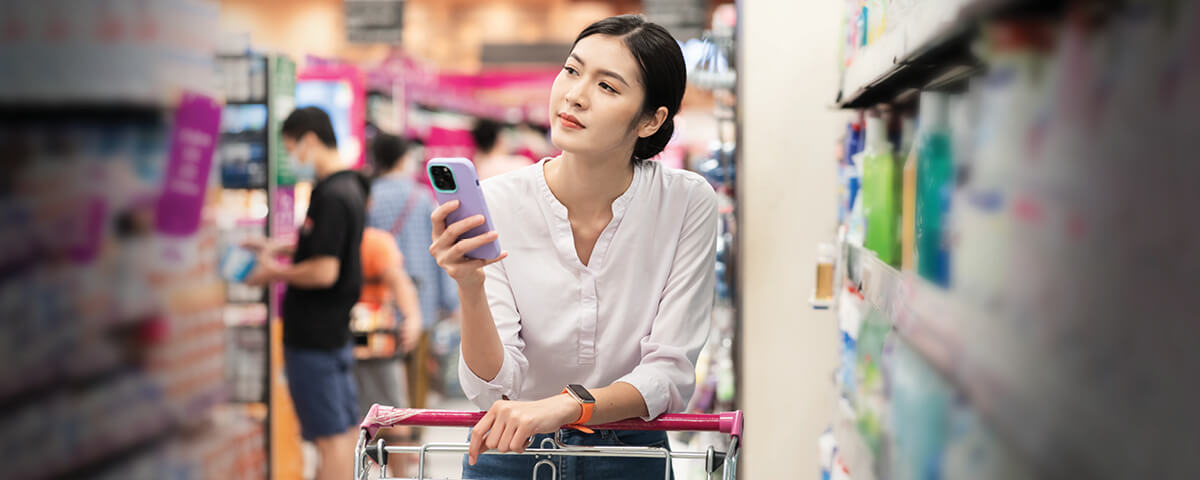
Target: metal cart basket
371,455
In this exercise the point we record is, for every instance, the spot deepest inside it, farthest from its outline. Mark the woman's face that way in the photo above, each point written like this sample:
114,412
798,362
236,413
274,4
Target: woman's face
596,98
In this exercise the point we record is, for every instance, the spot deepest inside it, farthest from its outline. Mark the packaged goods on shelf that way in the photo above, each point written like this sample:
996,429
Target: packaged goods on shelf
880,195
105,52
934,183
1041,189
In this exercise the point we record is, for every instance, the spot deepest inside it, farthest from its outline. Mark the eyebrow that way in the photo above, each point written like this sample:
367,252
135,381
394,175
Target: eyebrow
601,70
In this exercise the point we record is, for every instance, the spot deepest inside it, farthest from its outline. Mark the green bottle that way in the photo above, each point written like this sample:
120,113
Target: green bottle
881,194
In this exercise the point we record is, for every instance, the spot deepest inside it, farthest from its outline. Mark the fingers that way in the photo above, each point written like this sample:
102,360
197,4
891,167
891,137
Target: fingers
478,434
460,228
520,439
467,244
448,237
503,255
439,217
253,244
410,342
503,441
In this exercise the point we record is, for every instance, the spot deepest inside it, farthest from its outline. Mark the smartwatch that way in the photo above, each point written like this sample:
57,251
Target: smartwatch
586,401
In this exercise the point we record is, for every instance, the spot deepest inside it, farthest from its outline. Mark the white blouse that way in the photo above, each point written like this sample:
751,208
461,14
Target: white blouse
639,312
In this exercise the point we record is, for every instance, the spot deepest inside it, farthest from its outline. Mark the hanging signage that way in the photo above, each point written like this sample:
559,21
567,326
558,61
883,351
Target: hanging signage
374,21
193,139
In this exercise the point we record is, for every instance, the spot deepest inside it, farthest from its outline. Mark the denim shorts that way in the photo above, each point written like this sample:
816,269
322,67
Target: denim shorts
513,467
322,387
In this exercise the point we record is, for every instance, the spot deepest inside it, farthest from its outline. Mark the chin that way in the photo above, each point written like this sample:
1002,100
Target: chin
565,141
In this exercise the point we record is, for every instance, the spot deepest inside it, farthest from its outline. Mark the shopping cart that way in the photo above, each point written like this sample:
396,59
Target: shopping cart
369,454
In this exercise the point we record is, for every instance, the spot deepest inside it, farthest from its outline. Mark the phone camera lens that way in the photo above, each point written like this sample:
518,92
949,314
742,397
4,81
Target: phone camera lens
443,179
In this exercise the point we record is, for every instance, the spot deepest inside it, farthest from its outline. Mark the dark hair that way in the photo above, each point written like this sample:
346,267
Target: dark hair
309,119
485,133
386,151
664,74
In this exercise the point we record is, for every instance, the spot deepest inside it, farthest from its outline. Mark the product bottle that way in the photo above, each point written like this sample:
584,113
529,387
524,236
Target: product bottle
920,403
881,199
934,182
908,193
871,400
862,24
1010,98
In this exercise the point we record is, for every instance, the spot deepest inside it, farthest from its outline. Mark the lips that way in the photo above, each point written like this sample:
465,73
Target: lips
569,121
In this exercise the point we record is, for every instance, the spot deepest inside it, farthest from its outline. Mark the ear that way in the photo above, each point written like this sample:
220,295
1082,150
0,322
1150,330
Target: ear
651,123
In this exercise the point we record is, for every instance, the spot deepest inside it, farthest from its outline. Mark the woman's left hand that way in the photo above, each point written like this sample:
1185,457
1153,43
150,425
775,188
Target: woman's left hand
508,425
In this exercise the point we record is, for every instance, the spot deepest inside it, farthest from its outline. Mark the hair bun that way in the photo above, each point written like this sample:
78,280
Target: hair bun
647,148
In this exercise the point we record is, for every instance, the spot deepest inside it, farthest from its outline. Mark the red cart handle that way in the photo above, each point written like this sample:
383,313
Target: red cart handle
384,416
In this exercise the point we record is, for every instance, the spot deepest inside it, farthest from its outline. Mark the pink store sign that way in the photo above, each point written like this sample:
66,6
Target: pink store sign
185,183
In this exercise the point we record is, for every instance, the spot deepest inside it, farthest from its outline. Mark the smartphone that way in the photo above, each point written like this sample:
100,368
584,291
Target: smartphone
455,179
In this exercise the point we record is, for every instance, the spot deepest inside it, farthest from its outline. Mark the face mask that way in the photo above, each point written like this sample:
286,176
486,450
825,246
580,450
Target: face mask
303,171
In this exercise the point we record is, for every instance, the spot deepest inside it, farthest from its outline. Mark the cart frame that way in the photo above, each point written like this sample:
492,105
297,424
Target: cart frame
367,452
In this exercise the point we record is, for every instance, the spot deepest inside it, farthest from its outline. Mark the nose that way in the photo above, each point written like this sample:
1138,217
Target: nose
576,95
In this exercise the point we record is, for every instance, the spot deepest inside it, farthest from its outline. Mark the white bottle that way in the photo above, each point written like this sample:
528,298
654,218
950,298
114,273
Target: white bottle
1008,100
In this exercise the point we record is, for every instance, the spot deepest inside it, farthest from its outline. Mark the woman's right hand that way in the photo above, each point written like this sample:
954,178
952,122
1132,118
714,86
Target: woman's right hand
450,252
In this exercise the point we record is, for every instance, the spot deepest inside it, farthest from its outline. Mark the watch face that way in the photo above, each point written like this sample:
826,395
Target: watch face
581,393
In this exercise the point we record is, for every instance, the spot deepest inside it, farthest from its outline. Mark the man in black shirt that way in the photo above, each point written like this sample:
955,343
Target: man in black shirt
324,282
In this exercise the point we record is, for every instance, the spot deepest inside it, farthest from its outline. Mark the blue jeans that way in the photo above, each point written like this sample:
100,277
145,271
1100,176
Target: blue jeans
513,467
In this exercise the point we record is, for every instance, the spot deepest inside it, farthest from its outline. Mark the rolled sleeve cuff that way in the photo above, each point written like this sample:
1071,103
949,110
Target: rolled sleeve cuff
484,393
655,392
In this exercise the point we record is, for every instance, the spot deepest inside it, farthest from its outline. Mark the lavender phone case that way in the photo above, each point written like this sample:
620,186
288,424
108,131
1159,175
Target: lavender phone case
470,196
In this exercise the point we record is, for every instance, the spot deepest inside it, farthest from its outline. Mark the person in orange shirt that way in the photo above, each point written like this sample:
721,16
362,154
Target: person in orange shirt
385,283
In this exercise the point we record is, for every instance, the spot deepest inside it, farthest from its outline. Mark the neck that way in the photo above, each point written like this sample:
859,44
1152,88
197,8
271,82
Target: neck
588,183
396,171
328,163
485,156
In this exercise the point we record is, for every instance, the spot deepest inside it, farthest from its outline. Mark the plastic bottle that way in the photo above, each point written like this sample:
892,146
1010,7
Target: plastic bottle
920,403
934,181
908,193
1009,100
862,23
871,402
881,199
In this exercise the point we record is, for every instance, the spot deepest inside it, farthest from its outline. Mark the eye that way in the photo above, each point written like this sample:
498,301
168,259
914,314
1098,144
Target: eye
608,88
570,70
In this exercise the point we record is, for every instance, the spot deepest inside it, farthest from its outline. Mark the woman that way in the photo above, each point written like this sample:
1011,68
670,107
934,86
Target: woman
607,281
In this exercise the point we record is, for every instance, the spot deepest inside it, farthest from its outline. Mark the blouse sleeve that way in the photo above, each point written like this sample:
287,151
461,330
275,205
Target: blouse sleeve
666,376
509,379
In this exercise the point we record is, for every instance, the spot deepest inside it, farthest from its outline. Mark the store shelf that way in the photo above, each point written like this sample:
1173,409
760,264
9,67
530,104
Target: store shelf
819,304
97,109
926,316
929,50
935,324
852,447
105,456
245,102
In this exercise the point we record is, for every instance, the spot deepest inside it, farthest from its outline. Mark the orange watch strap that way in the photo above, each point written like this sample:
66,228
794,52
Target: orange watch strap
586,415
